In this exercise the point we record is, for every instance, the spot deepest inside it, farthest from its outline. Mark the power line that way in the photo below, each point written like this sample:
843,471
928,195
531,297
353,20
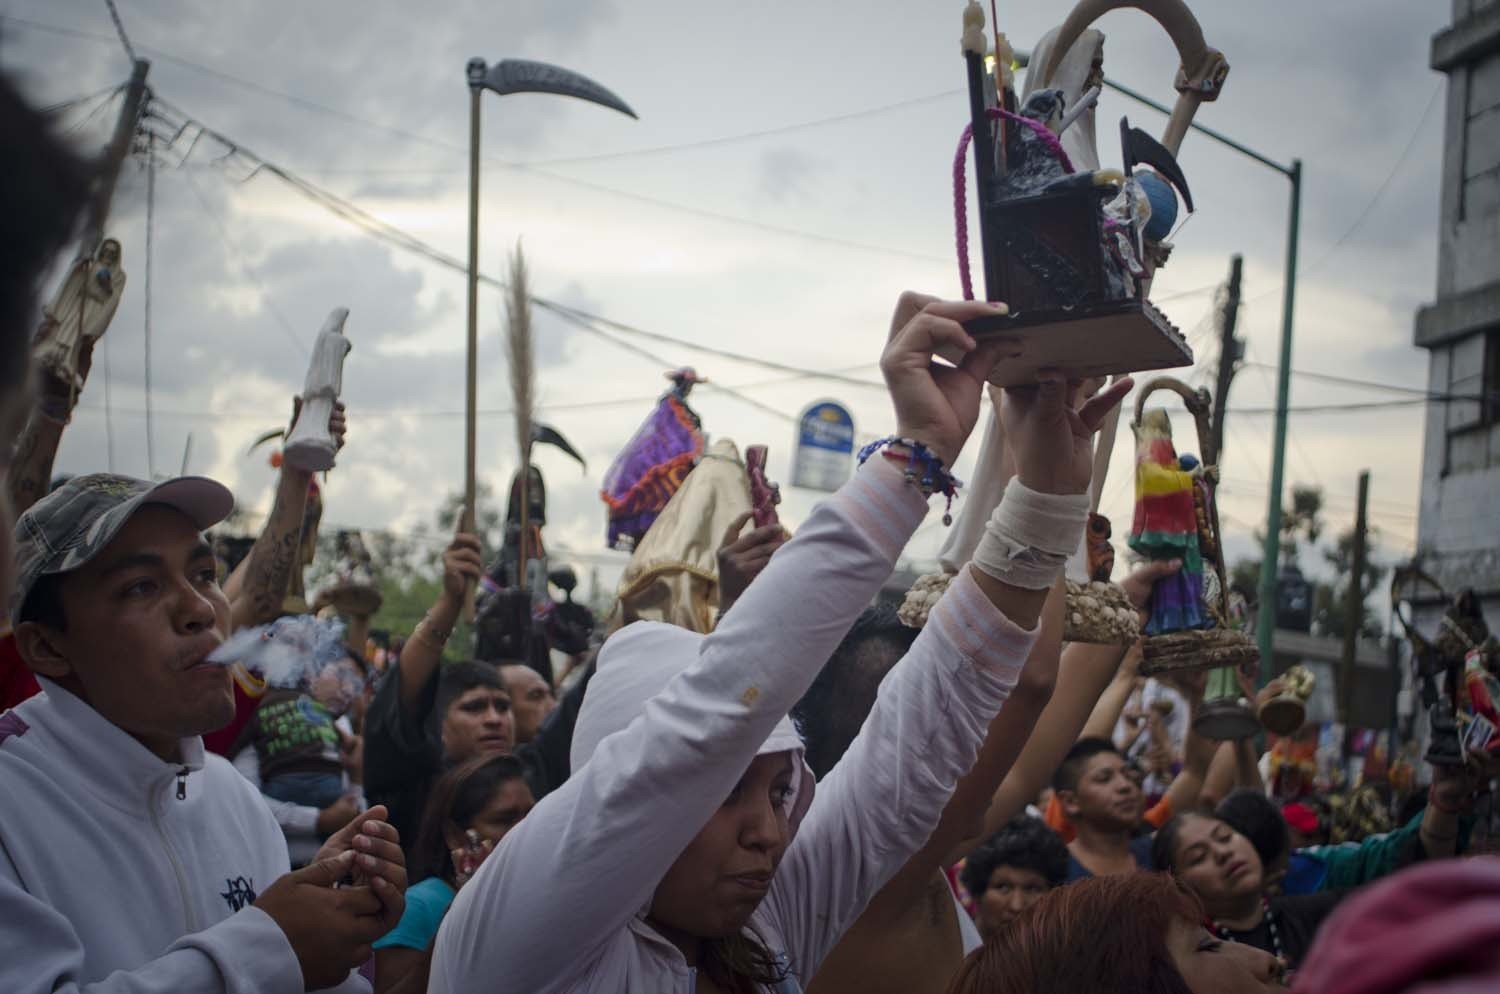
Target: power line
1370,384
396,236
242,262
414,412
745,136
1373,405
63,105
523,166
96,110
1370,205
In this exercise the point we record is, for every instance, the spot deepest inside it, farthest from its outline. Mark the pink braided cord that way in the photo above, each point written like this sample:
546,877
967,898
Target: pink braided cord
960,209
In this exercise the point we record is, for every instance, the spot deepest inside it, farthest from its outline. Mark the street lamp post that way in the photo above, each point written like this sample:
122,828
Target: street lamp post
505,76
1265,620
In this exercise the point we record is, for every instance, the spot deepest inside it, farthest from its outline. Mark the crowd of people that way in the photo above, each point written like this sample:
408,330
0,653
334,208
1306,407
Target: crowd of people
811,795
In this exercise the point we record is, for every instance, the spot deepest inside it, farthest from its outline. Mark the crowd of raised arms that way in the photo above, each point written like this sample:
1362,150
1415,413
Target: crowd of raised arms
804,794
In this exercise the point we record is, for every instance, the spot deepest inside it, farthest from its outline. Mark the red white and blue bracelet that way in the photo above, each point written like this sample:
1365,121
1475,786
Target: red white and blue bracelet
923,470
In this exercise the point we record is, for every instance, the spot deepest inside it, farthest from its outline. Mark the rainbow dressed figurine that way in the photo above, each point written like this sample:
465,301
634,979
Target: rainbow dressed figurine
1166,525
1190,625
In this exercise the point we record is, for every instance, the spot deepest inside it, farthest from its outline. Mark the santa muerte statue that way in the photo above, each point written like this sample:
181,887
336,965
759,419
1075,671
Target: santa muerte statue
653,464
1071,249
672,575
78,316
1176,518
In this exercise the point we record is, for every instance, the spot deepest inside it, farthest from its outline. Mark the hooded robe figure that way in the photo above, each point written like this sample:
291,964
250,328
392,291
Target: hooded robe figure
653,464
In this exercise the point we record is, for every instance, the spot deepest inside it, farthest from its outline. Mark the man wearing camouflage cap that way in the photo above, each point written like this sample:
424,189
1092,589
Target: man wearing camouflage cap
130,860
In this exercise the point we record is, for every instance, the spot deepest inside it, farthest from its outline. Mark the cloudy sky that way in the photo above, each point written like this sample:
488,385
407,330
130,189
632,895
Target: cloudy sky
789,175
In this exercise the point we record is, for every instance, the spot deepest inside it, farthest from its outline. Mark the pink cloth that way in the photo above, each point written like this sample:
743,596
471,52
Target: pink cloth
1432,929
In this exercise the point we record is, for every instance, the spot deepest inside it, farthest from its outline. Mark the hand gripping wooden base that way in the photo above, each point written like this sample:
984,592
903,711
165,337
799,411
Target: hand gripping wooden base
1126,336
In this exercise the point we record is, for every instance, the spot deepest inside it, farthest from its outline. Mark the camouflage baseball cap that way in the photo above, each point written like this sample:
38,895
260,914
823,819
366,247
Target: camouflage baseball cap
73,524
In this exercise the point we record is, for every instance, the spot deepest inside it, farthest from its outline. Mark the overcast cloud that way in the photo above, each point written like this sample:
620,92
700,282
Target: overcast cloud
246,272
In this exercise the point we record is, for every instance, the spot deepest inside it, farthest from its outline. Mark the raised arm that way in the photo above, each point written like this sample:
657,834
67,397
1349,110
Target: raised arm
1185,793
257,593
30,471
882,802
963,823
423,652
962,819
584,863
1083,674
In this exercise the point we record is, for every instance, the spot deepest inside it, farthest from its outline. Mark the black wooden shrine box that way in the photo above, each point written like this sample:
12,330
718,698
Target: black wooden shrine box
1043,256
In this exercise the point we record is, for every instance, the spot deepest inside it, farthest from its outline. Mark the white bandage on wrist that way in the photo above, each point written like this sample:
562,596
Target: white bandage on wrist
1030,535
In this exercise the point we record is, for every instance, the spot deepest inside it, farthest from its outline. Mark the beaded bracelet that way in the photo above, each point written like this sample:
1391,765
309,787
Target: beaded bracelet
933,478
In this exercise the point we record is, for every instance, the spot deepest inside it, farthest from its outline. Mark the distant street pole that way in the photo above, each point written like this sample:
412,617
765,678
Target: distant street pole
1265,631
114,155
1266,614
98,209
1231,350
1356,604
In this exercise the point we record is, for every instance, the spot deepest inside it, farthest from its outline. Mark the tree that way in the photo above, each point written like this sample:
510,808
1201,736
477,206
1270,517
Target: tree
1331,603
1302,521
1303,518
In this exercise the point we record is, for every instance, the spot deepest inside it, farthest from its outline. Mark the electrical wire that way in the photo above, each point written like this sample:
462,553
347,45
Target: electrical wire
529,168
64,105
1370,384
242,262
424,413
743,136
592,323
1369,207
94,113
1372,405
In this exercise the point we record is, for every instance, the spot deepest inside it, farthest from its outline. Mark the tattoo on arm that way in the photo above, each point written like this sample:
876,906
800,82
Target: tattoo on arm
274,555
31,463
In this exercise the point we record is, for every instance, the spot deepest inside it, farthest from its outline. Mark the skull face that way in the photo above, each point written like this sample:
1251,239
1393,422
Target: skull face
109,252
1045,106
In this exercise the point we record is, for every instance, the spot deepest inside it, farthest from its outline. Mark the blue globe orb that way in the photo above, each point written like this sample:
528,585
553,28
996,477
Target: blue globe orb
1163,200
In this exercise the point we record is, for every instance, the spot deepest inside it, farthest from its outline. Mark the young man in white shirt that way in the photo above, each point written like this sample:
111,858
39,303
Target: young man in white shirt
130,860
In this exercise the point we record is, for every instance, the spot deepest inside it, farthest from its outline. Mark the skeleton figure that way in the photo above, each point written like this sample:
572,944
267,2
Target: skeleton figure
80,313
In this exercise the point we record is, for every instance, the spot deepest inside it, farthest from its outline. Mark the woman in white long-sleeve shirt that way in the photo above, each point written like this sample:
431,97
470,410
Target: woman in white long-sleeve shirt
687,852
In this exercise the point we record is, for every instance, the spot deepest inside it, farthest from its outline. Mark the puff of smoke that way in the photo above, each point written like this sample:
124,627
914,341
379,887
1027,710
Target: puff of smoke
289,652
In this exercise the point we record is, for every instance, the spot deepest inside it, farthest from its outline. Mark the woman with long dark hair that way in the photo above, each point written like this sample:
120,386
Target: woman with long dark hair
1228,871
1133,933
472,807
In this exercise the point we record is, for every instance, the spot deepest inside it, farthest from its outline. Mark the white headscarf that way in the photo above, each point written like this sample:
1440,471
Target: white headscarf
634,666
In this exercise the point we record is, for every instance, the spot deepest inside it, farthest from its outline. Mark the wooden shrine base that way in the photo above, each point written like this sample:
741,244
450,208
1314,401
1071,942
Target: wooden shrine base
1127,336
1202,649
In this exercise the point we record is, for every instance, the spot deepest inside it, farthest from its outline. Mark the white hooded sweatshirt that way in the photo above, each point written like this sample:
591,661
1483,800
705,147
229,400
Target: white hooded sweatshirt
123,874
670,724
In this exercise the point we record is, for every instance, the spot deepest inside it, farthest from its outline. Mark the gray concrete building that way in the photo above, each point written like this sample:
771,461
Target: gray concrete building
1458,532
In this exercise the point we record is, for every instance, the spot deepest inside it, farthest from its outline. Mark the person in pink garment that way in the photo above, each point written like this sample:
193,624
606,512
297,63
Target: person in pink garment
687,851
1431,929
